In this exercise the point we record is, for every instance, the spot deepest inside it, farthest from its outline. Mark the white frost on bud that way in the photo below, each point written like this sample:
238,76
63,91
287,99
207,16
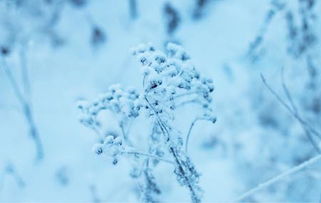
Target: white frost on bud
98,149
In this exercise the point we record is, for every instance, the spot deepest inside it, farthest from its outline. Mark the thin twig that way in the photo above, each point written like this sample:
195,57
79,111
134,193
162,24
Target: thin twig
11,170
190,130
189,133
24,71
33,132
307,128
125,135
149,155
13,83
279,177
295,112
287,93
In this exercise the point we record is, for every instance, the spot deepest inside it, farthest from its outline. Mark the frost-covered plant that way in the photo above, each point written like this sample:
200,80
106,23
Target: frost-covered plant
169,82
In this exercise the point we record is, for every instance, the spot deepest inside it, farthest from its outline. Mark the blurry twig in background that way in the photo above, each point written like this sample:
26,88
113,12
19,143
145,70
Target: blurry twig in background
199,8
78,3
133,9
98,36
172,18
93,191
10,170
279,177
24,72
254,51
309,131
23,97
62,176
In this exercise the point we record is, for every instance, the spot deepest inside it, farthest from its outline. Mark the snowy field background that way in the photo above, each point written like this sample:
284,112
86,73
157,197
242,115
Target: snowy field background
76,49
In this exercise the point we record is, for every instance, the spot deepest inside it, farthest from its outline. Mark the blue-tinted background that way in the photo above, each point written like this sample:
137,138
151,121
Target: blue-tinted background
75,49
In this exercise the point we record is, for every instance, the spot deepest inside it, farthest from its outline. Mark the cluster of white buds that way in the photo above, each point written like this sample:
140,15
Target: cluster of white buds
112,145
170,80
125,103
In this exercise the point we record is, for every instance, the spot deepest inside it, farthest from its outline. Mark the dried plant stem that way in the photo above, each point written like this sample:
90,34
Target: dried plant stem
174,153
